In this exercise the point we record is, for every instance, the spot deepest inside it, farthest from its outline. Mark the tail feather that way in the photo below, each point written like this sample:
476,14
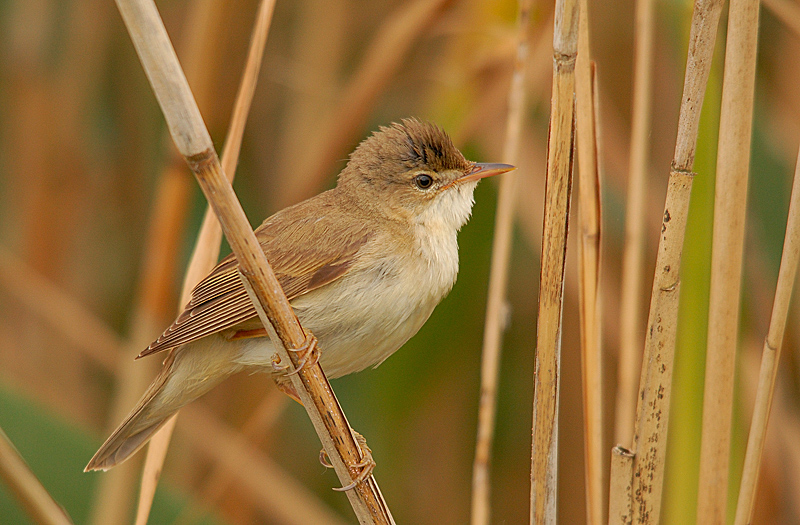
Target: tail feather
188,373
137,428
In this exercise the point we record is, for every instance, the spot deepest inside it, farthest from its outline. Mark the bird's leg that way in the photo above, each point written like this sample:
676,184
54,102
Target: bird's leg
366,465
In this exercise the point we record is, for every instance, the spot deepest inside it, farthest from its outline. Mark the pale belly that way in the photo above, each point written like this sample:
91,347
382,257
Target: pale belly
359,321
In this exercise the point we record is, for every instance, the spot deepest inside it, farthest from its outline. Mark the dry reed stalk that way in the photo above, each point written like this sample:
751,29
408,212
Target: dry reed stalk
730,204
652,412
547,365
206,250
116,489
85,331
391,45
496,307
26,487
589,243
631,296
786,11
191,137
277,494
770,358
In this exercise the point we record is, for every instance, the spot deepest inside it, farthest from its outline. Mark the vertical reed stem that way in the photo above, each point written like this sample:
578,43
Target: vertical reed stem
652,412
547,366
589,222
206,249
730,204
631,299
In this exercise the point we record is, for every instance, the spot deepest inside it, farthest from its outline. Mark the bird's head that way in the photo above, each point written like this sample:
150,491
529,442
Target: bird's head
412,171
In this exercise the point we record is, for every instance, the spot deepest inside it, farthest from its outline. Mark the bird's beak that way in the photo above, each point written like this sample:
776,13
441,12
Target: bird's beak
482,170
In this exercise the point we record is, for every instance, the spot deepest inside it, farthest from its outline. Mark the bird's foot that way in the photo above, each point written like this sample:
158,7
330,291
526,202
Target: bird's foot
365,466
308,354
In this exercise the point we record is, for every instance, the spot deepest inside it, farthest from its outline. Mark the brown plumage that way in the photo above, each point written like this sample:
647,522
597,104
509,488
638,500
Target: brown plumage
363,265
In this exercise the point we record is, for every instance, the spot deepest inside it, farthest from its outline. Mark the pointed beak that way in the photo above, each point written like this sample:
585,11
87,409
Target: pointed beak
483,170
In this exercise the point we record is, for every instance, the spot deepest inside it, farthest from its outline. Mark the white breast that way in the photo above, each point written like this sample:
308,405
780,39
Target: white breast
364,317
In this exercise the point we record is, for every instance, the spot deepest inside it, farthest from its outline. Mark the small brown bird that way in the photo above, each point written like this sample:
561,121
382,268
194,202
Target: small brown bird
363,264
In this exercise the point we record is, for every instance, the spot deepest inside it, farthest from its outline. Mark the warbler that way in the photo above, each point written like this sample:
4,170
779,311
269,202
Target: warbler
363,265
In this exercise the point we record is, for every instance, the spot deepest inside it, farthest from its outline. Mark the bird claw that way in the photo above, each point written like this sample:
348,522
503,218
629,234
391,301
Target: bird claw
366,465
324,459
310,354
309,357
277,367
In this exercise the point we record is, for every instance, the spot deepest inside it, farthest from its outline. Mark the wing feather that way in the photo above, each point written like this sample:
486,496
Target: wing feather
297,245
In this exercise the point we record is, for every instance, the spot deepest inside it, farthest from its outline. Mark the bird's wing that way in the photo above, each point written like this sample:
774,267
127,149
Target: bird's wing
300,253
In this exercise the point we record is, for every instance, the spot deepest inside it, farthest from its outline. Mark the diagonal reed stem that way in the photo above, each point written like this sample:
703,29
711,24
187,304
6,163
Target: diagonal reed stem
770,357
26,487
547,364
730,205
193,141
206,250
498,279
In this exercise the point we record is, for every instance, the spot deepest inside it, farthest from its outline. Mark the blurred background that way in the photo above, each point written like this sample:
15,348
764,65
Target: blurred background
98,218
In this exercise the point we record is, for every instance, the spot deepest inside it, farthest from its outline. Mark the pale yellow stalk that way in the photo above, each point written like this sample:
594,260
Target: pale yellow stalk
631,337
547,364
655,388
589,225
206,250
730,204
26,487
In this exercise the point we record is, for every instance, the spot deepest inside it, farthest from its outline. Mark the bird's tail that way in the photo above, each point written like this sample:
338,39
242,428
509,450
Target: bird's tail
188,373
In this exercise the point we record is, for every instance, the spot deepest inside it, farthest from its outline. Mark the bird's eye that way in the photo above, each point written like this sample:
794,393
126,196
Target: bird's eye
423,181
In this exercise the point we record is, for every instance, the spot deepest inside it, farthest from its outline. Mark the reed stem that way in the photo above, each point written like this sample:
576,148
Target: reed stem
558,186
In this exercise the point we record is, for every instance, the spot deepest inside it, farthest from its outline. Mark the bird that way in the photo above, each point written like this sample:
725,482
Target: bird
363,265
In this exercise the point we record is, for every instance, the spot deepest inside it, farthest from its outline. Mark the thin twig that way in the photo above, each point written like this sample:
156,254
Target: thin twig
589,242
771,357
631,296
730,204
206,250
547,366
192,139
27,488
655,388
